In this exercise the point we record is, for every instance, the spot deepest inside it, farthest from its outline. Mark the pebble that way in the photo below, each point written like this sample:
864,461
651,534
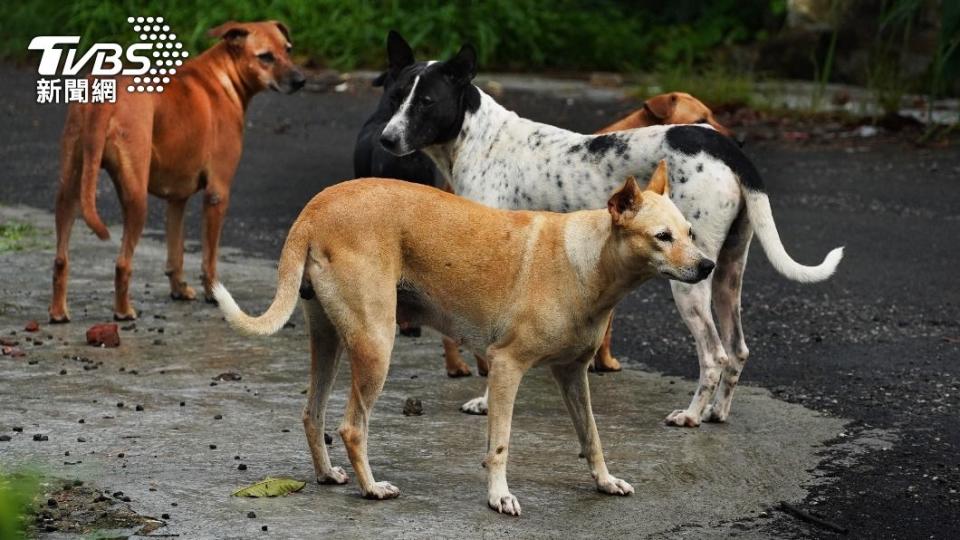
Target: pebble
52,503
32,326
242,467
63,372
183,403
40,437
412,407
139,407
165,516
18,429
4,438
213,447
218,417
121,454
264,528
251,514
81,439
120,405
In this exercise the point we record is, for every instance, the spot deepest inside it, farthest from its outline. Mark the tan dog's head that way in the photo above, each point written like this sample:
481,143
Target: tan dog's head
655,238
261,53
681,108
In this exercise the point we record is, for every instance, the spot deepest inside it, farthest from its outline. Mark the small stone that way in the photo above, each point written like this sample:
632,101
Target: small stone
121,454
213,447
242,467
81,439
119,404
32,326
251,514
412,407
103,335
18,429
139,407
40,437
52,503
264,528
81,421
218,417
4,438
165,516
63,372
183,403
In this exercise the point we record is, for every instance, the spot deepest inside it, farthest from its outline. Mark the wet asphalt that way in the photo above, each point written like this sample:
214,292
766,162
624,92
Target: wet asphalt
879,343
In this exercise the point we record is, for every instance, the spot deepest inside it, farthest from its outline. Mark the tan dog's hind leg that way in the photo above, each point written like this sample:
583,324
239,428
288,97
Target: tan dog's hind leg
179,290
604,360
325,350
505,376
574,388
455,365
727,285
67,207
214,212
693,301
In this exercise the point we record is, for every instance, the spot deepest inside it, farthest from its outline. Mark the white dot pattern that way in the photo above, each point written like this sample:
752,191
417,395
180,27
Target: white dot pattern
167,52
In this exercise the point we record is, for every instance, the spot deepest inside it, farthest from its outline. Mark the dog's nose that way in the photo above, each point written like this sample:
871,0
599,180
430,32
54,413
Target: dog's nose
390,143
704,267
297,80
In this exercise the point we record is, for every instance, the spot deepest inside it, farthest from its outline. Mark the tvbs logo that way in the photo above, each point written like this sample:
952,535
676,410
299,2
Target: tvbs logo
150,61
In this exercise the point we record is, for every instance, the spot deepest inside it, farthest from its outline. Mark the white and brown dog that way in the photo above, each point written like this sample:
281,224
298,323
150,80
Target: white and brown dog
545,288
491,155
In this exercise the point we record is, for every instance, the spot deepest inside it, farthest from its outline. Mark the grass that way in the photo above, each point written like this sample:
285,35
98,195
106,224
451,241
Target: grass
15,236
16,496
716,87
509,34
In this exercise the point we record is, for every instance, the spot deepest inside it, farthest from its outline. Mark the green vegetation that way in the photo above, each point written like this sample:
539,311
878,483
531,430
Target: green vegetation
16,496
16,236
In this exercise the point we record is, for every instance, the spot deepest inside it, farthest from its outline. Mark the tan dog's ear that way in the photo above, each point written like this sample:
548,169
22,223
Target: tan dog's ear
659,181
625,203
662,106
232,32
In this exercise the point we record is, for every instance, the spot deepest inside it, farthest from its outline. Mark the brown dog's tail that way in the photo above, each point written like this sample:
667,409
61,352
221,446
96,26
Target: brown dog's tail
92,140
290,274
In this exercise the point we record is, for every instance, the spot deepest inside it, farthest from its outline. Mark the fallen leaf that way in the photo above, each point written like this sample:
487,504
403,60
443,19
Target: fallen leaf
270,487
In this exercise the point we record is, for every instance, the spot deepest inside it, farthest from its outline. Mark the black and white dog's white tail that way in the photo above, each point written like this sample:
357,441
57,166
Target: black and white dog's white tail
761,219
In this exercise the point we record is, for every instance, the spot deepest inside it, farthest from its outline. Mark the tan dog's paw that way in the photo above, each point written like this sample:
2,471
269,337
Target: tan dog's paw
608,364
184,293
59,318
614,486
681,418
336,475
382,491
712,414
504,504
475,406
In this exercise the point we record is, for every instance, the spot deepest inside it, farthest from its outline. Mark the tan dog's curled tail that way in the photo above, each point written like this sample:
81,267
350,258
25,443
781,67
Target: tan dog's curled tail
92,142
761,218
289,275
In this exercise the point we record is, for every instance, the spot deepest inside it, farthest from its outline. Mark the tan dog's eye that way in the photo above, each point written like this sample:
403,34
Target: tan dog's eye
664,236
266,57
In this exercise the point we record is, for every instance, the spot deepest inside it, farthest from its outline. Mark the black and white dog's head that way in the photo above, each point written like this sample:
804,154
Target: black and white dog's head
429,99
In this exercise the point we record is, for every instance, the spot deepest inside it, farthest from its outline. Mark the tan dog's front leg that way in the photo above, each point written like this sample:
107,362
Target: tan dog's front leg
179,290
505,376
214,212
572,380
134,202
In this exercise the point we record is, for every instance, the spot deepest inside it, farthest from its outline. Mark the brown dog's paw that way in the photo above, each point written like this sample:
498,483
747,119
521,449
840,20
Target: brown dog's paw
185,294
608,364
59,318
458,371
128,316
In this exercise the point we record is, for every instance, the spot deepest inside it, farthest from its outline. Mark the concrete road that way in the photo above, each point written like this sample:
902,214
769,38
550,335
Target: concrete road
878,345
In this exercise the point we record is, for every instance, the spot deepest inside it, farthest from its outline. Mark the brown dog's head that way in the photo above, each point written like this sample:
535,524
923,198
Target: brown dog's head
654,237
681,108
261,52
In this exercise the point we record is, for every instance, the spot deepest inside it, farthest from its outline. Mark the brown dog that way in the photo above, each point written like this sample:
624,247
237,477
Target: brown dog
663,109
523,288
171,144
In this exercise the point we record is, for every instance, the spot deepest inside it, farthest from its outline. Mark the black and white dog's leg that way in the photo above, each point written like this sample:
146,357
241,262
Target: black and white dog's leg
477,405
727,285
693,301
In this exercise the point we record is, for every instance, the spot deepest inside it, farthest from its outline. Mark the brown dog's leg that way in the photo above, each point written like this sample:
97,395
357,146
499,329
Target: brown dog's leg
451,356
325,349
67,206
179,290
214,212
132,188
604,360
483,367
572,380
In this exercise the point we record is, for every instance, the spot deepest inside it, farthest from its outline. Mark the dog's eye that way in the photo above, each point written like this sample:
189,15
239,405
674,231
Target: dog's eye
426,101
266,57
664,236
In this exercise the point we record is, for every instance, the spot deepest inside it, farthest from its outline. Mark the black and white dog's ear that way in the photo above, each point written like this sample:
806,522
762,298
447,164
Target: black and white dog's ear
380,79
462,68
399,53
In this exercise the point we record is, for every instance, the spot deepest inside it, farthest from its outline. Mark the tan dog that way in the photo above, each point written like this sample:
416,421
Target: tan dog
171,144
663,109
523,288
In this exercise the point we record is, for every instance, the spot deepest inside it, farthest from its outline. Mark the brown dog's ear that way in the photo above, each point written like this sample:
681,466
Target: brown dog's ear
232,32
659,181
662,106
283,29
626,202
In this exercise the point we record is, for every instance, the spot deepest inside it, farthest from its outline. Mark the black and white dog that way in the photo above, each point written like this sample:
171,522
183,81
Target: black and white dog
369,157
493,156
